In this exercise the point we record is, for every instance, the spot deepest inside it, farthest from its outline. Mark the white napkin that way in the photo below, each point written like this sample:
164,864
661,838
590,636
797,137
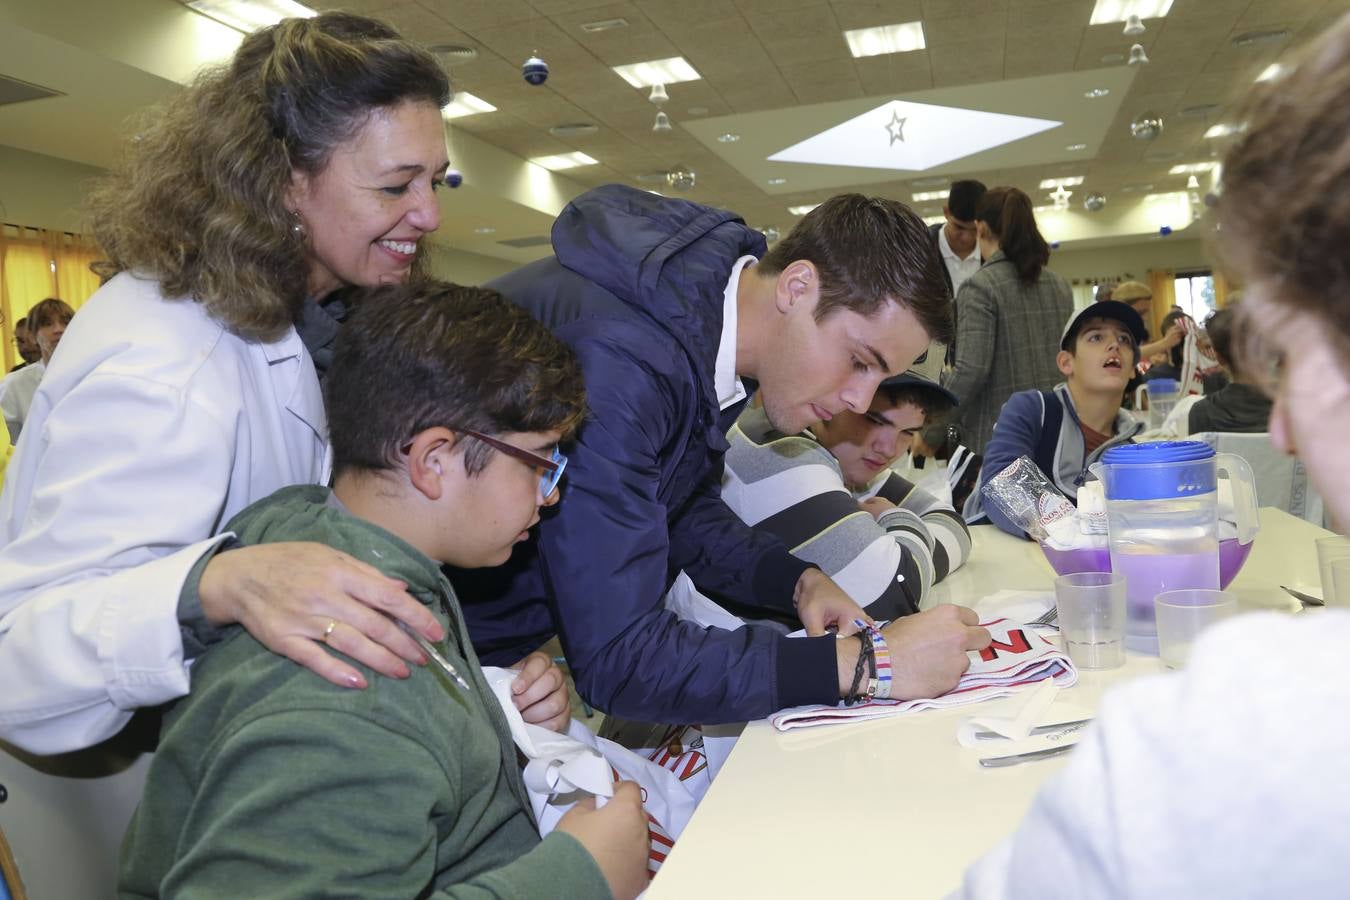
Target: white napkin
558,764
1021,606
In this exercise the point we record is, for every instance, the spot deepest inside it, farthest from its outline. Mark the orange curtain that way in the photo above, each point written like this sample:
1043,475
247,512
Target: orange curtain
27,275
73,254
1221,290
1162,282
34,264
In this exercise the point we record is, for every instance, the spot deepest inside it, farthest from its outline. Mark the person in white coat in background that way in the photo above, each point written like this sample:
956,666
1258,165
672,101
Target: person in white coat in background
1225,779
183,391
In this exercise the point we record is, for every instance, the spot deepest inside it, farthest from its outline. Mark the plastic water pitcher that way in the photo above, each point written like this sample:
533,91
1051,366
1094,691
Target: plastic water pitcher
1163,394
1162,518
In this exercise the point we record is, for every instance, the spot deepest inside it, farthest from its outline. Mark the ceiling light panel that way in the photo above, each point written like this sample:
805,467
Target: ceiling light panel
250,15
925,196
658,71
1106,11
1222,130
802,210
1192,168
1052,183
935,220
564,161
901,38
466,104
1272,72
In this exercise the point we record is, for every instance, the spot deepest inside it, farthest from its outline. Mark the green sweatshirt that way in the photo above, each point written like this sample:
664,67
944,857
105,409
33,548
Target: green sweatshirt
271,782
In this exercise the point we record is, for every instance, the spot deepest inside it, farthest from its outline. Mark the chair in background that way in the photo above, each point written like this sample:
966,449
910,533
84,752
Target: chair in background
1281,481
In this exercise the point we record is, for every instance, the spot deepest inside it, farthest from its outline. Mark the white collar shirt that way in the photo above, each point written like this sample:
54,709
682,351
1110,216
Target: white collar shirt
960,269
725,381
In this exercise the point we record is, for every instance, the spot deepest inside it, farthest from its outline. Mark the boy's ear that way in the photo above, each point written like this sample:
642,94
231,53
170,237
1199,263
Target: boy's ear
431,458
798,283
1064,361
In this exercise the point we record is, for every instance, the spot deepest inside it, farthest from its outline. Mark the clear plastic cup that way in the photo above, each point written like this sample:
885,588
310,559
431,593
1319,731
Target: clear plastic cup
1329,550
1091,607
1182,615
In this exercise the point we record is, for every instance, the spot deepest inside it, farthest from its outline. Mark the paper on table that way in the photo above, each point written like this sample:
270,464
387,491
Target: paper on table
1021,606
1017,659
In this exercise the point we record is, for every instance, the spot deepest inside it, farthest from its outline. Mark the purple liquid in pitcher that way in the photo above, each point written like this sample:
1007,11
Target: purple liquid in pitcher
1148,574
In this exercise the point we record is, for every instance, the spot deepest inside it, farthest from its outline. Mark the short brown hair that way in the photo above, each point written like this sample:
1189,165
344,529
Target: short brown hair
44,312
869,251
420,355
930,402
199,199
1284,214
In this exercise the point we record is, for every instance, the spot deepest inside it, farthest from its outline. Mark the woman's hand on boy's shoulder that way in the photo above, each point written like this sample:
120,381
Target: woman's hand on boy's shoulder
540,692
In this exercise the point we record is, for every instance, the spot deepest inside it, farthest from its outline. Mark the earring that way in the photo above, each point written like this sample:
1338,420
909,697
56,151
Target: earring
297,226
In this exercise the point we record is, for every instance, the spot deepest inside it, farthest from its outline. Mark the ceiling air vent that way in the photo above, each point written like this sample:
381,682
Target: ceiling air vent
453,54
541,240
12,90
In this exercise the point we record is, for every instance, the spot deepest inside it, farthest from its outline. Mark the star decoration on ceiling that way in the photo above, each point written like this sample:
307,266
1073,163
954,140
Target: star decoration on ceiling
1061,197
896,128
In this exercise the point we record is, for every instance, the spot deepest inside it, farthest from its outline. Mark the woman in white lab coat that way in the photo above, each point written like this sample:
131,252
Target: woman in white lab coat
182,391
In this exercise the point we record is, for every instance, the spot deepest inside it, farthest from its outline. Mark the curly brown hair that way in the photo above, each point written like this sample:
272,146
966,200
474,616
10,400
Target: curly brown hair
198,201
1284,215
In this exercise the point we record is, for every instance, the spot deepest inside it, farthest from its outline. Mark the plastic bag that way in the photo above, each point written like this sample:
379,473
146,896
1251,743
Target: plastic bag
1023,494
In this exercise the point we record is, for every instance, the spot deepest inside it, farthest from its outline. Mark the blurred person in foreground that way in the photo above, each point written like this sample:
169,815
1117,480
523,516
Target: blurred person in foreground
1224,780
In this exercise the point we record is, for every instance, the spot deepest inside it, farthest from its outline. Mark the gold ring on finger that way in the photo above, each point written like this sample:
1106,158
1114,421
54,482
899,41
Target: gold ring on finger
328,630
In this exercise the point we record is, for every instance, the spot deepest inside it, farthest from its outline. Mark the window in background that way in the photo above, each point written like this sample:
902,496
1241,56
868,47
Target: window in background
1194,293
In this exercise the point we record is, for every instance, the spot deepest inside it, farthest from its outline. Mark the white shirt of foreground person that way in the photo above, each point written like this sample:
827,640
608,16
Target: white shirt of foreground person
152,427
1225,780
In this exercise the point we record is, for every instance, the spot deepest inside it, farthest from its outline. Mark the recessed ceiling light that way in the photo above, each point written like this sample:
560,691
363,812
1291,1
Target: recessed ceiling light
1166,195
250,15
1106,11
777,181
574,129
1272,72
564,161
1259,38
453,54
1071,181
1042,210
1137,188
934,220
900,38
1094,93
658,71
466,104
934,181
1222,130
1192,168
925,196
1199,111
603,25
802,210
728,138
1074,148
485,231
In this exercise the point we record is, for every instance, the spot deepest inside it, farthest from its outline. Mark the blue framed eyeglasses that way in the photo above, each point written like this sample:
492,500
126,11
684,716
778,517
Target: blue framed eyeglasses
553,466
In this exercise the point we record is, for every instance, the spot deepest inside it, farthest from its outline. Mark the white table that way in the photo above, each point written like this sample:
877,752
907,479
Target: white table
896,806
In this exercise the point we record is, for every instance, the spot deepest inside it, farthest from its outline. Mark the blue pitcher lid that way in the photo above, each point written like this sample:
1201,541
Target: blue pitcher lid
1159,470
1163,386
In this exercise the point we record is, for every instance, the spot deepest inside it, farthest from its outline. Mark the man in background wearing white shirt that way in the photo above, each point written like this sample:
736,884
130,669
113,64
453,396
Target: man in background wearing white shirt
47,321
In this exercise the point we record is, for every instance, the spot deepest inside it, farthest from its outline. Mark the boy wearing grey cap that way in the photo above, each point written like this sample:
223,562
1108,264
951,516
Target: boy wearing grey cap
1065,430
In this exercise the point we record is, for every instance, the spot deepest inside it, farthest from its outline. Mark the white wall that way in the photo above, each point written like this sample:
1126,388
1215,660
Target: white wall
42,191
1130,261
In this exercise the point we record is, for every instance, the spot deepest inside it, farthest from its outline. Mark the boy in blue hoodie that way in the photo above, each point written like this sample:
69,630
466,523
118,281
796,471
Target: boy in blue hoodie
1067,429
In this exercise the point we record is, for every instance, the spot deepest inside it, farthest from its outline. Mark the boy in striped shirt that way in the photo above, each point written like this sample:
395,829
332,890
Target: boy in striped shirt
830,495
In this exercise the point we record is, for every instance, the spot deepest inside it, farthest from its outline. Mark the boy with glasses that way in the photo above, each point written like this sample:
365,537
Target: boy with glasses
446,408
